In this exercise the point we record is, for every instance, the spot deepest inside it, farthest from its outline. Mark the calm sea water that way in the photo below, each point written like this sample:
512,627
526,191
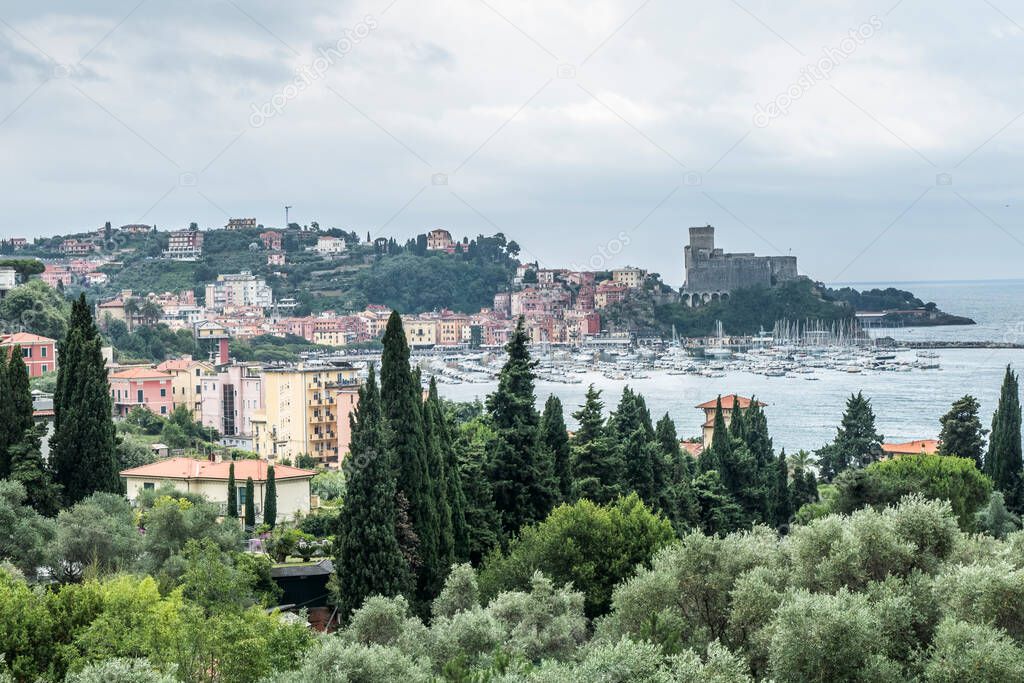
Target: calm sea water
804,414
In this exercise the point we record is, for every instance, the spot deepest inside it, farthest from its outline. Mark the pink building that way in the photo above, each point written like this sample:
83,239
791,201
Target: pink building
346,399
57,273
144,387
272,240
230,397
39,353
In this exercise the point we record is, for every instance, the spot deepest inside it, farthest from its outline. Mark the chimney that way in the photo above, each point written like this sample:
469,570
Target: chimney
223,351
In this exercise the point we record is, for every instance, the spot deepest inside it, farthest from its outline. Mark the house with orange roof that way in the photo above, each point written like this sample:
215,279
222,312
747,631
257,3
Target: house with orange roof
139,386
38,352
210,478
729,403
916,447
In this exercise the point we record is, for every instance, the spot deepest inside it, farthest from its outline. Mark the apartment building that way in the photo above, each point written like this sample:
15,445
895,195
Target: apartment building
184,245
186,382
230,399
39,353
141,387
238,289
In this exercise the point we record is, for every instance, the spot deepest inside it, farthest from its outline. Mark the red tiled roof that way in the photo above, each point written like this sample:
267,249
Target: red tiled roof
190,468
694,448
140,373
176,364
927,446
728,402
26,338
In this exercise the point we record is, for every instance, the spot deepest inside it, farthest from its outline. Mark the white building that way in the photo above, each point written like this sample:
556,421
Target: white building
325,244
239,289
211,480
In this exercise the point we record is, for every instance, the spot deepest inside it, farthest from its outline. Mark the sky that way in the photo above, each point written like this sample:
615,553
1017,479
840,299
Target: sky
876,140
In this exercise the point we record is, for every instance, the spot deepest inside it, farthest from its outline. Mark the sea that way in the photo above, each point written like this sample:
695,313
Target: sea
803,414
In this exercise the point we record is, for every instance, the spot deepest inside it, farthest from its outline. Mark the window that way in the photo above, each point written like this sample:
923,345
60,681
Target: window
163,392
26,352
241,495
163,410
45,368
197,372
148,486
199,389
138,395
42,351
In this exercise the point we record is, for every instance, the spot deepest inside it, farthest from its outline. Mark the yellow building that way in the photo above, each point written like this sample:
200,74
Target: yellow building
453,330
300,413
629,276
186,387
420,332
729,404
330,337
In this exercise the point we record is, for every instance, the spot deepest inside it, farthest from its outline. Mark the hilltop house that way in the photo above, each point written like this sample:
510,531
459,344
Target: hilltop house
39,353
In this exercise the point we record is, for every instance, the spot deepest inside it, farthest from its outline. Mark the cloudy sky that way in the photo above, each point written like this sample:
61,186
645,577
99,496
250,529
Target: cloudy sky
875,139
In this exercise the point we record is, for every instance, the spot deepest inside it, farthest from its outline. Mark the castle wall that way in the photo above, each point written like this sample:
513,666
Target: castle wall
712,273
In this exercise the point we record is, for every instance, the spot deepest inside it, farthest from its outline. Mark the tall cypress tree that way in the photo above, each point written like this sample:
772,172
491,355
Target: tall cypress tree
250,504
402,407
6,416
682,503
369,560
962,434
639,454
856,443
270,499
782,506
1003,461
714,458
454,493
596,460
434,437
522,491
82,447
232,511
556,439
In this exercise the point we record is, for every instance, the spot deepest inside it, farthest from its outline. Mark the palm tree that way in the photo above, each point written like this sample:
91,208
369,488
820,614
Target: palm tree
131,309
802,459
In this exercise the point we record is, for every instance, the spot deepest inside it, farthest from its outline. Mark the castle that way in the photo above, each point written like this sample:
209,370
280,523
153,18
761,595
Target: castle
711,274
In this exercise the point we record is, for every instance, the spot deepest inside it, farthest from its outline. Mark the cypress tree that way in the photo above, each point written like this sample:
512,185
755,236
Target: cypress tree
483,525
232,493
1003,461
432,433
639,454
596,462
402,408
250,504
962,434
682,504
782,508
82,453
6,416
737,426
556,439
21,395
28,467
270,499
369,560
721,442
454,494
521,487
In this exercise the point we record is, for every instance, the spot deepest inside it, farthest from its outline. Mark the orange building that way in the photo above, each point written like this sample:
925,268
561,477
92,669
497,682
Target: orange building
918,447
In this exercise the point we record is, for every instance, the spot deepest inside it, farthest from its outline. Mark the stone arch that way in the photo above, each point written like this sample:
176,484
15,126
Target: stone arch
714,297
705,298
725,296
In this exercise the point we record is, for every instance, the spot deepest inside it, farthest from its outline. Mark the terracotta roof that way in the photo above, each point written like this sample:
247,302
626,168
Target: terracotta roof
176,364
927,446
140,373
728,401
27,338
190,468
694,448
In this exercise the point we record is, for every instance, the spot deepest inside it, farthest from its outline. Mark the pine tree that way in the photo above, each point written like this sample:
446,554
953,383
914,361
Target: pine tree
28,467
522,490
369,558
402,408
782,509
82,453
232,511
962,434
596,461
1003,461
270,499
250,504
434,437
856,443
556,439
